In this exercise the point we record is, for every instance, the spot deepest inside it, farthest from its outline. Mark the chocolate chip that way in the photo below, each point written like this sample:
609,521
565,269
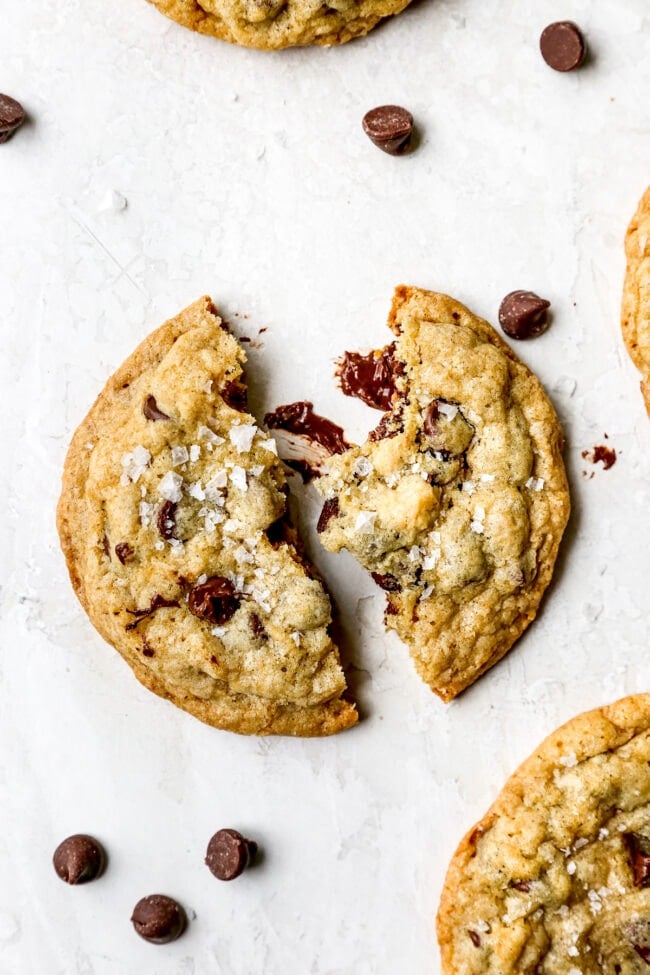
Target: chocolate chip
563,46
523,314
643,953
371,377
330,510
12,116
640,859
157,602
124,552
166,519
151,410
215,600
147,651
386,582
79,859
235,395
476,941
159,919
229,853
390,128
521,885
430,423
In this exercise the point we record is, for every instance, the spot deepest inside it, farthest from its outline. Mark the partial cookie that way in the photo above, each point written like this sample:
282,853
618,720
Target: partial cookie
458,500
173,522
636,293
555,879
271,24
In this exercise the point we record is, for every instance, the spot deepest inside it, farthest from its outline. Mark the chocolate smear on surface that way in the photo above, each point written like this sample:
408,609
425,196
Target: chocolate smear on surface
151,410
216,600
157,602
601,455
371,377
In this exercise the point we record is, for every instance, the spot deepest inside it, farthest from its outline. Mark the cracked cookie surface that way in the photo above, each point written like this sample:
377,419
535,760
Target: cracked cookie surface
173,522
555,879
272,24
636,294
458,500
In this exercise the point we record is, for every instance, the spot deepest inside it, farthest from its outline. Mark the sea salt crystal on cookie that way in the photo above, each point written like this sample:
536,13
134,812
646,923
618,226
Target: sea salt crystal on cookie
134,464
238,478
171,487
365,522
242,437
205,433
179,456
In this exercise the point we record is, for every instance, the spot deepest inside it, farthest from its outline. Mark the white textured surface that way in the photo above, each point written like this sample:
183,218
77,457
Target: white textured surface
161,165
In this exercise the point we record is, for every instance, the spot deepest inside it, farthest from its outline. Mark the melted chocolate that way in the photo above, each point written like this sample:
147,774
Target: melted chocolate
235,395
157,602
215,600
299,418
330,510
152,411
386,582
124,552
166,519
640,860
371,377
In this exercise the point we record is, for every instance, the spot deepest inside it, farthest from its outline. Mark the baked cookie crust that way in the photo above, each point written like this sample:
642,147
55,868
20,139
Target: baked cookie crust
172,519
555,879
458,501
273,24
635,317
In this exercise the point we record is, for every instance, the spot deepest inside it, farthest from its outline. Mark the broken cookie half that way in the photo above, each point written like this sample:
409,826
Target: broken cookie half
173,521
636,294
458,500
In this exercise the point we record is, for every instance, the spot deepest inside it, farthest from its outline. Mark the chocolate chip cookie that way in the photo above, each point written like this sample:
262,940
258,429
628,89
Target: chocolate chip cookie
636,293
458,500
555,878
272,24
173,521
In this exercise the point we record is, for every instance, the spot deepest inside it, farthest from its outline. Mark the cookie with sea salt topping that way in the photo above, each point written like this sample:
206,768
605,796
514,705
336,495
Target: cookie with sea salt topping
272,24
555,879
636,293
173,521
458,500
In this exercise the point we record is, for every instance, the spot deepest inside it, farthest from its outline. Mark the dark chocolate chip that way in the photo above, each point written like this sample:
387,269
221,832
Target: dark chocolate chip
12,116
563,46
159,919
390,128
229,853
521,885
235,395
476,941
330,510
124,552
215,600
166,519
79,859
371,377
643,953
640,859
387,582
280,532
430,424
523,314
151,411
157,602
147,651
257,626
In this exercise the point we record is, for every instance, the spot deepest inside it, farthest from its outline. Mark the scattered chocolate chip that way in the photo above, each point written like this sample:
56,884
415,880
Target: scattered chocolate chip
12,116
166,519
386,582
235,395
601,454
643,953
523,314
370,377
330,510
563,46
151,411
79,859
476,941
229,853
147,651
215,600
124,552
640,860
159,919
157,602
390,128
299,418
